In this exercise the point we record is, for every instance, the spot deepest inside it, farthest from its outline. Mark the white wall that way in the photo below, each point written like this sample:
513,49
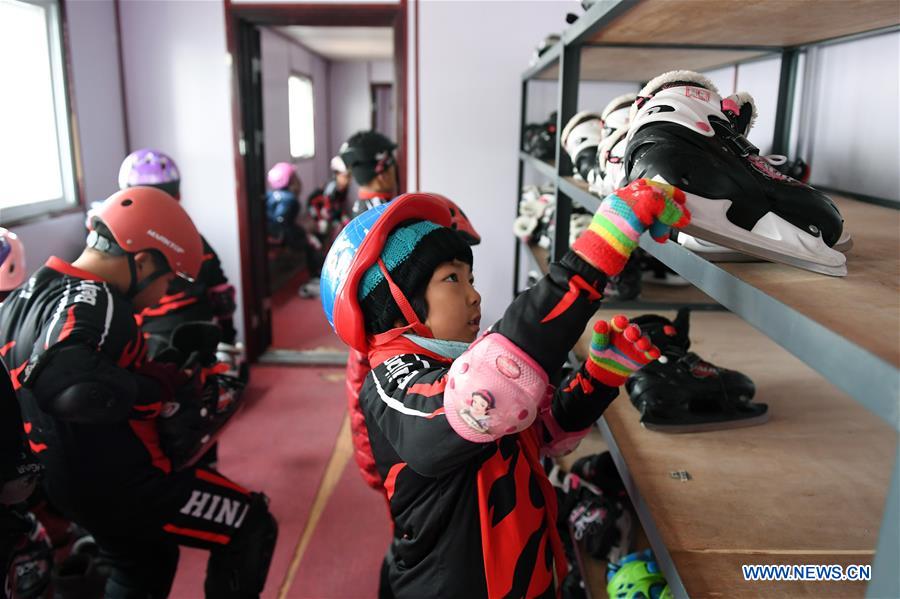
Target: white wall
855,141
178,81
96,98
469,122
281,58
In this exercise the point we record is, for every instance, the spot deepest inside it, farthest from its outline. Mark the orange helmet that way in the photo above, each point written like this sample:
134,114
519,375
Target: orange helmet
146,218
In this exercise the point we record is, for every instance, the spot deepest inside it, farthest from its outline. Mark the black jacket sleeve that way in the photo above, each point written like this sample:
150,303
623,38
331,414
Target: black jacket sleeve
404,399
580,400
547,320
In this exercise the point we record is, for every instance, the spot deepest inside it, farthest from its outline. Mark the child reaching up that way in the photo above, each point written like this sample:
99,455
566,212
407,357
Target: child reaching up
457,425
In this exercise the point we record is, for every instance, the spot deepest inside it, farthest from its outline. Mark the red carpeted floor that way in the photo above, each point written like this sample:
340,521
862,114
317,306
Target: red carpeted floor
343,559
299,323
280,443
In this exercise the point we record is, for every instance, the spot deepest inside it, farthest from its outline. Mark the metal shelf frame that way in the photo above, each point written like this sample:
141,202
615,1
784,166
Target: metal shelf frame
869,380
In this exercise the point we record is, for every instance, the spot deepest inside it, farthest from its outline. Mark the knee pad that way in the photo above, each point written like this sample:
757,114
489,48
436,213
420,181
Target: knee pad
239,569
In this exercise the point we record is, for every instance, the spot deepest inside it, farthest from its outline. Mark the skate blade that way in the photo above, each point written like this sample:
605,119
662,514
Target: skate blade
708,222
704,427
712,251
845,243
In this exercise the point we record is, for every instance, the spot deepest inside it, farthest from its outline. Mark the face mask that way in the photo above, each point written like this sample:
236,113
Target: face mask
442,347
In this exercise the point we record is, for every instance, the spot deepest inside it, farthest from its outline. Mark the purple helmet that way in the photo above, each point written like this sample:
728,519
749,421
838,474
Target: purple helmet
280,175
151,168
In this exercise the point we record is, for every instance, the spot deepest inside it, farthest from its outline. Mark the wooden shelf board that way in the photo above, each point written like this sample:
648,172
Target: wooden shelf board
864,306
761,494
643,64
747,23
723,571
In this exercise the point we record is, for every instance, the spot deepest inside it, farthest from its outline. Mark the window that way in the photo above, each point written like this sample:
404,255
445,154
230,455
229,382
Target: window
36,163
300,99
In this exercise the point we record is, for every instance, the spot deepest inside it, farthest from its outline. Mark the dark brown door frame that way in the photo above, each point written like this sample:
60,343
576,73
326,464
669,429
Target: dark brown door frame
255,293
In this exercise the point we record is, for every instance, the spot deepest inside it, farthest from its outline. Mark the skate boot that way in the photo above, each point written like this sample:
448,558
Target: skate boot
601,523
609,170
681,392
740,108
31,562
637,576
680,134
580,138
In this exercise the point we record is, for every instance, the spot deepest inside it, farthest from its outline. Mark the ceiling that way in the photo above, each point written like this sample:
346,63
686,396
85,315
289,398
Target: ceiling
345,43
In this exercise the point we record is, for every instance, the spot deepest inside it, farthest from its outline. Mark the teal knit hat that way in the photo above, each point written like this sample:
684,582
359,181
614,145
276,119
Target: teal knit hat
411,253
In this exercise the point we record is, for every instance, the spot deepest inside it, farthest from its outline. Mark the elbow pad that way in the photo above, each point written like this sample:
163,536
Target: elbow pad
493,389
78,384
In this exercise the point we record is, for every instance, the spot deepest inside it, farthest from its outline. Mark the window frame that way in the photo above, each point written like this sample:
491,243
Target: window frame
71,200
312,87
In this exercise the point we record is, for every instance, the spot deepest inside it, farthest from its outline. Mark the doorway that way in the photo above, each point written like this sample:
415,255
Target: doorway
327,52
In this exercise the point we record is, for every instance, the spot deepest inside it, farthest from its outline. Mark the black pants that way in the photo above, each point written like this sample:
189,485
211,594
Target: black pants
139,535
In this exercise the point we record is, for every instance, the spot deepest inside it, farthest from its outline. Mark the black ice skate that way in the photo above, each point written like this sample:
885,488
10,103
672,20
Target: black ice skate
681,392
680,134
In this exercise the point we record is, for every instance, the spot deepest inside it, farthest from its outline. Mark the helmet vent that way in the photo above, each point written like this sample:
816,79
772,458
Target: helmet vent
126,202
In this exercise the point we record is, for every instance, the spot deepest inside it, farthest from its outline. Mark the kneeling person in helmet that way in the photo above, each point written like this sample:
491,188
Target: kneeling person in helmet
209,296
90,403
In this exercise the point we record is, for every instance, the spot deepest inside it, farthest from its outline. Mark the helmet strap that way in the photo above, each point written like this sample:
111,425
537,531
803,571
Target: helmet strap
405,308
136,286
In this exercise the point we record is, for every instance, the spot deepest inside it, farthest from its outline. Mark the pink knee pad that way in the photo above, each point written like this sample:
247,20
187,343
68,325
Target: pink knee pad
493,389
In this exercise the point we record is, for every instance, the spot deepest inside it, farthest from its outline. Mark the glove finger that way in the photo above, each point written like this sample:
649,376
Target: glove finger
659,231
643,343
618,323
632,333
600,338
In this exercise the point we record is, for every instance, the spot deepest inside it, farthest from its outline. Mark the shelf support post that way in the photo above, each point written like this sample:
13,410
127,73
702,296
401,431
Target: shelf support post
520,179
784,107
569,73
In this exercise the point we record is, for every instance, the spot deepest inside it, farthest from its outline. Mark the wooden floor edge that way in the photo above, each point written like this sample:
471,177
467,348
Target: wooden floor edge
336,463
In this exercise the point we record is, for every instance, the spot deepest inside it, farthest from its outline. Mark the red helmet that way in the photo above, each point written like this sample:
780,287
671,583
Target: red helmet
359,246
146,218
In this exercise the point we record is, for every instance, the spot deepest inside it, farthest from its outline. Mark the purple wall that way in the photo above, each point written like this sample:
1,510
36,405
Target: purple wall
281,58
178,86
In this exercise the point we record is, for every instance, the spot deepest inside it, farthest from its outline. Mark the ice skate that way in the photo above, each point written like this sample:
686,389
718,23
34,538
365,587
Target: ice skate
580,138
680,134
681,392
609,171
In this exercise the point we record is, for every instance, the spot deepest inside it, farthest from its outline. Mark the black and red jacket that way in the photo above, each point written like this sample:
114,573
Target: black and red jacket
64,306
478,519
187,301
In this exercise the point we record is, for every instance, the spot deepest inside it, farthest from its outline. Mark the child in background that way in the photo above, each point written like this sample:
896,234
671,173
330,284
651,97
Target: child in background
457,428
370,157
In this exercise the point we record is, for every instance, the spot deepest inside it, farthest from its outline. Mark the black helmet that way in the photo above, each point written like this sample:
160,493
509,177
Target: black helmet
367,154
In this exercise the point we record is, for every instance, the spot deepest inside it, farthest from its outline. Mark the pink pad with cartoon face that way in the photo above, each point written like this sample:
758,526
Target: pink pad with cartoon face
494,389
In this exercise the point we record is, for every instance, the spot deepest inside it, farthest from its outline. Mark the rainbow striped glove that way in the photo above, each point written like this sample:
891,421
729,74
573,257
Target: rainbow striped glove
624,215
617,349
